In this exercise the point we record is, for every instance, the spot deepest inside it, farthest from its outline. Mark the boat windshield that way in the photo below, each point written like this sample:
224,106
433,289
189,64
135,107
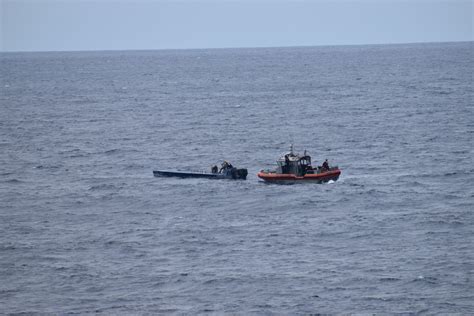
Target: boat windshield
304,162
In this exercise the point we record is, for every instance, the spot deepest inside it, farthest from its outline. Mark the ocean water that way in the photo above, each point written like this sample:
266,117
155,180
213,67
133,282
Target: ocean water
86,228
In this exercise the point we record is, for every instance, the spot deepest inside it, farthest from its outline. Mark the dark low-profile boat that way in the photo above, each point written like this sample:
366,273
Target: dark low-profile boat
227,172
293,168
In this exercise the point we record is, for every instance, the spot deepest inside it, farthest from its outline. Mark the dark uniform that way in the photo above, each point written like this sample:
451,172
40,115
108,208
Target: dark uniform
326,164
225,165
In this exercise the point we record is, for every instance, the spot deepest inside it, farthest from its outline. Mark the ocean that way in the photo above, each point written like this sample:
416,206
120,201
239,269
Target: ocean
86,228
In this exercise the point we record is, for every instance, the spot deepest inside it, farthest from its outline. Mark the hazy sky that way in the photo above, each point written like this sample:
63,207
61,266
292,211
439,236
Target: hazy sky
45,25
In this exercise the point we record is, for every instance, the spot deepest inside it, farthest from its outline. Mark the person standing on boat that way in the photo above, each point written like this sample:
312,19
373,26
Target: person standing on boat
325,165
214,169
225,165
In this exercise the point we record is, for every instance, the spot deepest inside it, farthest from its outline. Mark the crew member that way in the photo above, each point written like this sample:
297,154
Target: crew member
214,169
326,165
225,165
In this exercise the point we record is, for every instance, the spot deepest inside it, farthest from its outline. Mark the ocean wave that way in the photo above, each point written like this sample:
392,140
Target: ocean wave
13,181
104,187
111,151
389,279
426,279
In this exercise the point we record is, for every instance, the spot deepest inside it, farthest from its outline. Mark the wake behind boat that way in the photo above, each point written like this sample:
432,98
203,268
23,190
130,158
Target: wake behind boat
227,171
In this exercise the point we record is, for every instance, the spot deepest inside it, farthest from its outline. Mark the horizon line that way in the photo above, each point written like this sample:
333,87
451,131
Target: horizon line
230,47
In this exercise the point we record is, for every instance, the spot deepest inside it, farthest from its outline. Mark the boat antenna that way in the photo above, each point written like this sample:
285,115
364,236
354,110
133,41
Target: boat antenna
291,142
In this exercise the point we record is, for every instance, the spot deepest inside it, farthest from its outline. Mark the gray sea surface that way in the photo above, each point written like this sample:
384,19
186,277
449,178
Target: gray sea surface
86,228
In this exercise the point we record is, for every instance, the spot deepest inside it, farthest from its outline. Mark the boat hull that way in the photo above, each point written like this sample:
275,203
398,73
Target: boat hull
236,174
289,178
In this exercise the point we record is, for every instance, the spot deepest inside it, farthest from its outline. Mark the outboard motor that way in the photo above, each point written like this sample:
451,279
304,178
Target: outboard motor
242,173
239,173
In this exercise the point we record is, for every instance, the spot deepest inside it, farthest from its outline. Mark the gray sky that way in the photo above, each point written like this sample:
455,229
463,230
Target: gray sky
51,25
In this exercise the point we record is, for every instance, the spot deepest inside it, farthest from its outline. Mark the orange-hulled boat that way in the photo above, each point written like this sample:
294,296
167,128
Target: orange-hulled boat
292,168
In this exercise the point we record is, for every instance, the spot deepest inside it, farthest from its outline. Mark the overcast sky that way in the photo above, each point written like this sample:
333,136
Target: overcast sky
52,25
